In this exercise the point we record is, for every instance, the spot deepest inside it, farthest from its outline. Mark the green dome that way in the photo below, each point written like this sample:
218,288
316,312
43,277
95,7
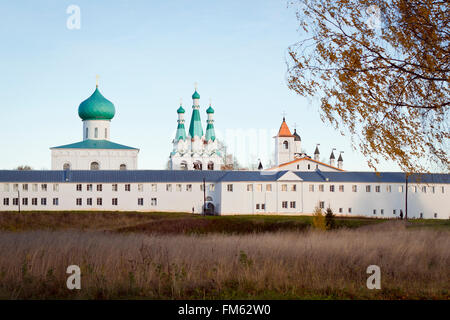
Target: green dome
196,95
96,107
210,110
180,110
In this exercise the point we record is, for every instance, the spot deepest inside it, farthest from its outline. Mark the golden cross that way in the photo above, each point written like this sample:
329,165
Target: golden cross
96,80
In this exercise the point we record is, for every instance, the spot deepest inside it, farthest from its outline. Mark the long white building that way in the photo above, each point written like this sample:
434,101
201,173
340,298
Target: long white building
228,192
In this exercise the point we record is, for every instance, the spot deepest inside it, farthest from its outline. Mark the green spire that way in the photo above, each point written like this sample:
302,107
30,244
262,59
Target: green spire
195,128
96,107
181,131
196,95
210,133
180,109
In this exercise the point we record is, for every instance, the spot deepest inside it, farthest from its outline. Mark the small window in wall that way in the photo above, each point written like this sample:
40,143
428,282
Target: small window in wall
321,187
332,188
368,188
79,201
442,189
311,188
34,201
212,187
89,187
374,211
211,166
394,212
25,201
89,201
298,167
259,187
25,187
99,201
140,201
79,187
155,187
415,189
421,215
257,206
284,187
43,201
249,187
286,145
115,187
382,212
115,201
388,188
178,187
123,167
340,210
229,187
263,206
140,187
66,166
44,187
56,187
309,167
268,187
292,204
400,189
435,215
209,198
354,188
16,187
6,201
96,133
154,202
127,187
349,210
189,187
284,204
106,133
322,204
424,189
377,188
99,187
87,133
184,165
15,201
95,166
169,187
433,190
55,201
294,187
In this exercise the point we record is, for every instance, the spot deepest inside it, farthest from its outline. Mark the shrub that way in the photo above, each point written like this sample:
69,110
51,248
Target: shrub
318,219
329,219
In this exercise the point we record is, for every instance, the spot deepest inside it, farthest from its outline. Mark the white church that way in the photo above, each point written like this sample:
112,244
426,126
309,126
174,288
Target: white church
96,174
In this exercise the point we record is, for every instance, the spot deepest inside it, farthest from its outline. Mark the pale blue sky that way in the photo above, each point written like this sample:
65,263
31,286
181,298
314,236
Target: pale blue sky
149,54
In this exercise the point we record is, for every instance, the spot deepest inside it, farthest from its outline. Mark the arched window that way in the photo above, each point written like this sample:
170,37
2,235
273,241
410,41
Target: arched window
209,198
106,133
286,144
96,133
95,166
210,165
66,166
87,133
197,165
123,166
183,165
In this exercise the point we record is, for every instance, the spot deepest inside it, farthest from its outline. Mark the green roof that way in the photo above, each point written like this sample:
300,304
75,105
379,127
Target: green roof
210,133
94,144
195,128
210,110
196,95
96,107
180,110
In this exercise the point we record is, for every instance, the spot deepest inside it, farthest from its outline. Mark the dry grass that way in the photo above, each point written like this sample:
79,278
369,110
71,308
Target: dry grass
290,265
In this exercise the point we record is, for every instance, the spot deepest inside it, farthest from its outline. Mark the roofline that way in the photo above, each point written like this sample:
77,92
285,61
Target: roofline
306,158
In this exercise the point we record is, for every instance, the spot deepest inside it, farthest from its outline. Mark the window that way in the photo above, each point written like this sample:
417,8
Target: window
87,133
179,187
15,201
294,187
128,187
349,210
394,212
442,189
6,201
95,166
382,212
259,187
6,187
154,202
115,187
169,187
115,201
400,189
212,187
34,187
189,187
377,188
322,204
34,201
229,187
249,187
332,188
424,189
388,188
56,187
311,188
341,188
155,187
79,187
340,210
309,167
66,166
284,204
354,188
257,206
140,201
284,187
433,190
368,188
435,215
89,187
99,187
25,187
298,167
140,187
43,201
286,145
96,133
15,187
55,201
79,201
263,206
123,167
106,133
321,187
268,187
99,201
24,201
89,201
292,204
374,211
421,215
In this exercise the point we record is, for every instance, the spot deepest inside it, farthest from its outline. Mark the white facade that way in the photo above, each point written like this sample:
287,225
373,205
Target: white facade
280,193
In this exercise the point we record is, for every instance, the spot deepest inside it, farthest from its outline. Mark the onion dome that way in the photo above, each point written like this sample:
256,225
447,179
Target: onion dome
332,155
210,110
96,107
180,110
296,136
196,95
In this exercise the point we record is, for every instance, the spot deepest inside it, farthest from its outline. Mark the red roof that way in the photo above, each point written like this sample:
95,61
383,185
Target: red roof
284,130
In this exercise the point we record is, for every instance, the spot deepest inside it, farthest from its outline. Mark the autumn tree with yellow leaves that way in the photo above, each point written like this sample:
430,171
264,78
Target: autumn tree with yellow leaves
381,71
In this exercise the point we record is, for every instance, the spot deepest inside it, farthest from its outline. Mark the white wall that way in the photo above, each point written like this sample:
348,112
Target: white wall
81,159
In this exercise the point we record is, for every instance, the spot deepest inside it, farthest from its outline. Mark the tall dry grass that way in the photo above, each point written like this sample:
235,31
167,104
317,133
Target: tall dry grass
414,264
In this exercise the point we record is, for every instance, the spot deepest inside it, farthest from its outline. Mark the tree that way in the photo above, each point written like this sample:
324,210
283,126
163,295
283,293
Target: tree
329,219
381,70
318,219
